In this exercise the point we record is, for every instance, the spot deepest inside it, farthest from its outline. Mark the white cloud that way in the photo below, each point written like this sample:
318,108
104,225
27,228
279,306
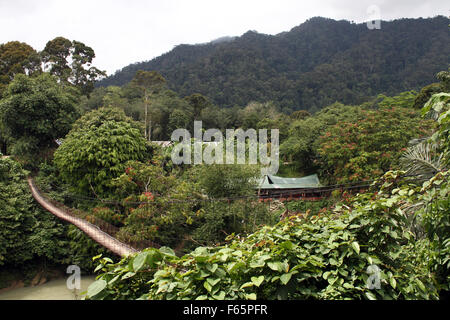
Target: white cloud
124,31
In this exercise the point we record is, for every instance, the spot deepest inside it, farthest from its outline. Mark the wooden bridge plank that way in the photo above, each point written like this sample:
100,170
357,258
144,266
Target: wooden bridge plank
89,229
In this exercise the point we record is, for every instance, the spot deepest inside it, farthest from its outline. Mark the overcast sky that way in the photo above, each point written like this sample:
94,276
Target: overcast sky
126,31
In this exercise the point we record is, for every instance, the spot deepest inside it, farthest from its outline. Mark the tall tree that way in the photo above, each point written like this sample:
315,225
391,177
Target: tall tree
34,112
150,82
55,57
198,102
17,57
71,61
83,73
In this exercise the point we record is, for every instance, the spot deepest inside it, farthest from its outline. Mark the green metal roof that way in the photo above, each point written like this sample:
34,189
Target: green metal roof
274,182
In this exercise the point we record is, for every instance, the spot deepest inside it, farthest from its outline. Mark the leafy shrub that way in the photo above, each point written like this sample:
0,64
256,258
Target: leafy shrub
26,231
329,256
228,181
96,150
178,212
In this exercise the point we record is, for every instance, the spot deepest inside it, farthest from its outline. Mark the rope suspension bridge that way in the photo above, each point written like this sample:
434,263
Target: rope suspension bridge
95,233
104,233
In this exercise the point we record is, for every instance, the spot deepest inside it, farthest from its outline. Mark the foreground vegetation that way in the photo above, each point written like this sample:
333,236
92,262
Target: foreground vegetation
326,256
390,243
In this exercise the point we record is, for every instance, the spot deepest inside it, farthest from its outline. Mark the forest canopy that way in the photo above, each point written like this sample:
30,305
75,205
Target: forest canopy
313,65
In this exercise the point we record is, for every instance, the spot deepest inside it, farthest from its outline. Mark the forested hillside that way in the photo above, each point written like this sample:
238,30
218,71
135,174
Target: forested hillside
311,66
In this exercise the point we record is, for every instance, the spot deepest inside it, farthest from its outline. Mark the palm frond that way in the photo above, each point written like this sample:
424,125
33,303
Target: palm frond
423,160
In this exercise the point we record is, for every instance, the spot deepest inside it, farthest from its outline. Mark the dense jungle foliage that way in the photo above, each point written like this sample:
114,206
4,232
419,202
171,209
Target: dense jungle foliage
389,243
31,239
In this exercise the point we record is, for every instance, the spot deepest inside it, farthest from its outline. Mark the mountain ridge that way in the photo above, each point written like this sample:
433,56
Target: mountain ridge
314,64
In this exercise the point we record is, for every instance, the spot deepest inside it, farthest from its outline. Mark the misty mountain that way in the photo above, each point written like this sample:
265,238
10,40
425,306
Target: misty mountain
313,65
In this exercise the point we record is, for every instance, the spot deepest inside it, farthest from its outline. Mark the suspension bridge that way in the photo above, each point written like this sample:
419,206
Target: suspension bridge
94,232
105,234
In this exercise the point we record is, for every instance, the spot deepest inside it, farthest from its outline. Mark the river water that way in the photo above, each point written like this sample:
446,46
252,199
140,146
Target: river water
52,290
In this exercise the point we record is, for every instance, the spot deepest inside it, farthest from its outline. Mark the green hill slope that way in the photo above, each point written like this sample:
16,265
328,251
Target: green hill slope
313,65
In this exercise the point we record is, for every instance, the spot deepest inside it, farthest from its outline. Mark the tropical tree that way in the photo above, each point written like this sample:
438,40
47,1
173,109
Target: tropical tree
97,148
300,146
444,77
150,82
426,93
364,149
55,57
71,61
228,181
35,112
198,103
431,159
17,57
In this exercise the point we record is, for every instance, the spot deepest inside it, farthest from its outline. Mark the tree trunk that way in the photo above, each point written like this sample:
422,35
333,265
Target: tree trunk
150,130
146,113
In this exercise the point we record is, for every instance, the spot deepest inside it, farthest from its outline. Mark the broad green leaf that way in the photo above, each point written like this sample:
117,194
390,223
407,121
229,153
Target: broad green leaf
96,287
220,273
421,285
257,280
251,296
348,286
257,264
343,272
355,246
98,267
114,279
167,251
333,262
213,282
275,266
370,296
212,268
247,285
207,286
128,275
393,282
220,296
97,257
285,278
139,261
393,234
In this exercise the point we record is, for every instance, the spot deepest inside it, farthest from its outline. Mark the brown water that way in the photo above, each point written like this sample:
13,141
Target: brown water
52,290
